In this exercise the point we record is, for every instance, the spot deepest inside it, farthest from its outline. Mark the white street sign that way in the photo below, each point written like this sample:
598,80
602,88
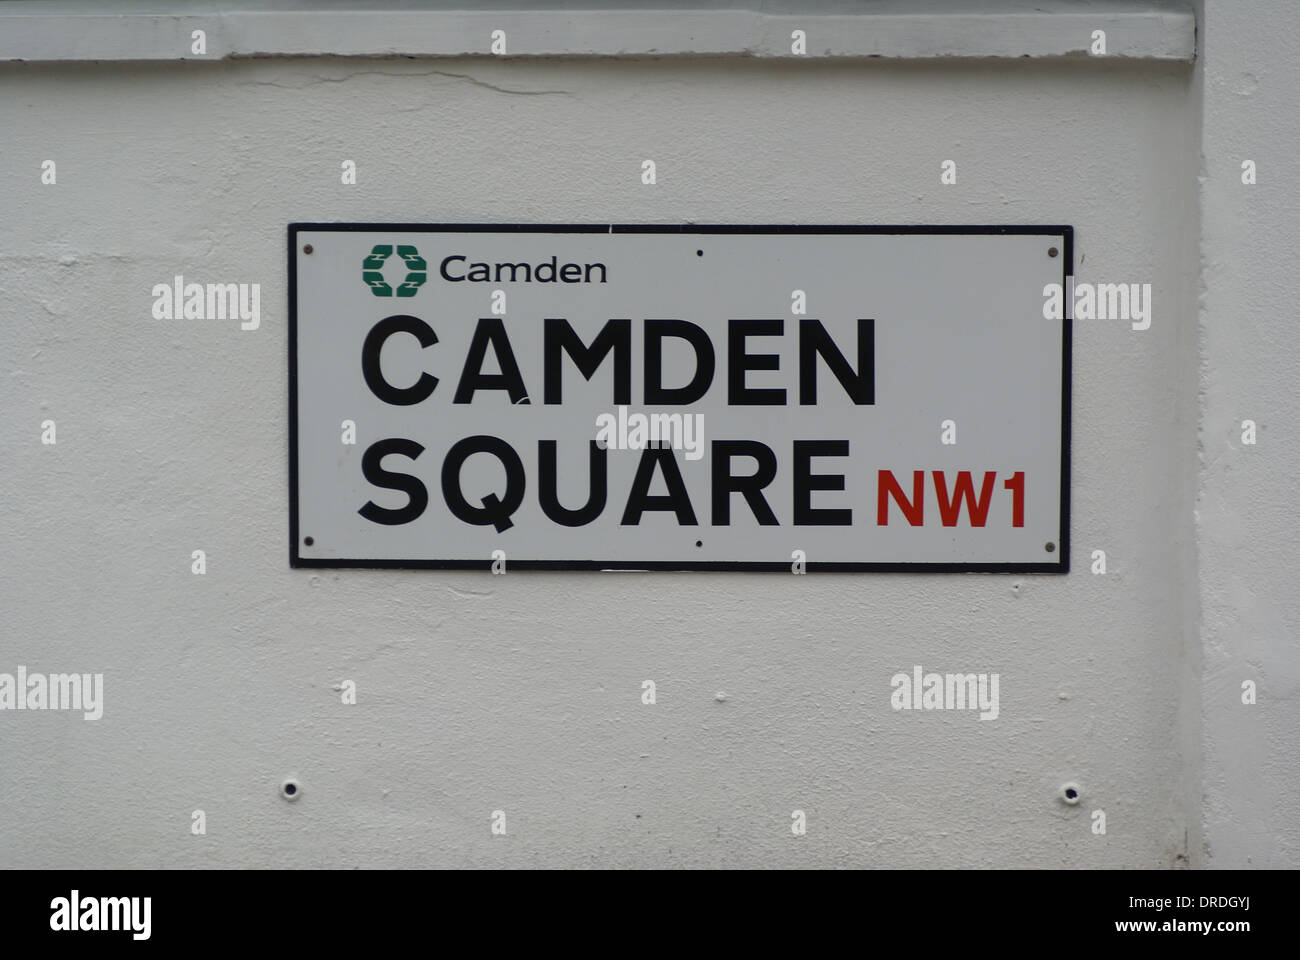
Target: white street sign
678,398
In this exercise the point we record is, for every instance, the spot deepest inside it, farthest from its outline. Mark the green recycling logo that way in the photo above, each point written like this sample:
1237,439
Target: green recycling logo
373,265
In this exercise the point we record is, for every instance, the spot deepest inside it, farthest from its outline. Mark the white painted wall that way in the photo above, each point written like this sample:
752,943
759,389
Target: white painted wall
522,693
1246,501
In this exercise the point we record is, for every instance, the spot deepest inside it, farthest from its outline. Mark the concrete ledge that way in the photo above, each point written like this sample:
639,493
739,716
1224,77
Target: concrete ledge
62,30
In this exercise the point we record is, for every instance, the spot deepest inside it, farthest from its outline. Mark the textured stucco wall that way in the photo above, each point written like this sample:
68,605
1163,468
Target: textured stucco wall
522,693
1246,517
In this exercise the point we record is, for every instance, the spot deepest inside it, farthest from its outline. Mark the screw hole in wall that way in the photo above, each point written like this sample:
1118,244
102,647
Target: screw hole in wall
1070,793
290,790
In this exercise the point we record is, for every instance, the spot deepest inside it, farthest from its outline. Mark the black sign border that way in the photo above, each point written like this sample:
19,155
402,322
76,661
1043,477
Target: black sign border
1060,565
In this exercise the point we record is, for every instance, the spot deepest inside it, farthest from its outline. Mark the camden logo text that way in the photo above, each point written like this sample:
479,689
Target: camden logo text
458,268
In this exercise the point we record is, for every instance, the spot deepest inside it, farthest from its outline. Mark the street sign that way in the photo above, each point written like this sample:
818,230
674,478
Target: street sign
822,398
